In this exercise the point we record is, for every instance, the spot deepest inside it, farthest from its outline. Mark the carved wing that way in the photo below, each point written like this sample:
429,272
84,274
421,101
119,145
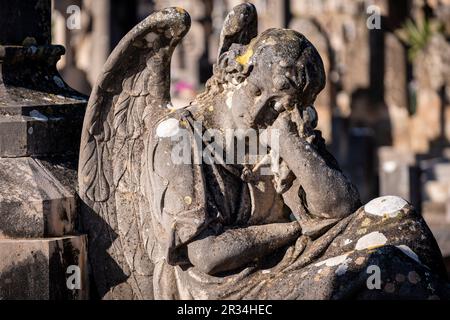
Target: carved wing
240,26
134,87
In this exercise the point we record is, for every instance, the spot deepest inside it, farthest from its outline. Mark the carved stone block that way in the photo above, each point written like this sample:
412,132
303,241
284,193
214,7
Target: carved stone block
40,269
33,203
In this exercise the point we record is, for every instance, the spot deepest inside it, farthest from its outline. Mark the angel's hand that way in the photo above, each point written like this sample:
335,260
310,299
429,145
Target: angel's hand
287,129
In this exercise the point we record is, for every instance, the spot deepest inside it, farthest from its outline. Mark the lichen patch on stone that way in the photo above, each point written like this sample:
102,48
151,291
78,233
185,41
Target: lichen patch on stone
332,262
385,206
371,241
188,200
168,128
245,58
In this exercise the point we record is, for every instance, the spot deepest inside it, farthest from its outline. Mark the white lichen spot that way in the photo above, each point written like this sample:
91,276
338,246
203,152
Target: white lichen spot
266,271
371,241
347,241
168,128
408,251
332,262
58,81
385,206
36,115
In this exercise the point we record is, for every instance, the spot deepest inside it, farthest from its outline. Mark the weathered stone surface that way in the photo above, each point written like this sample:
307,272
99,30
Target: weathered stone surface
38,269
33,204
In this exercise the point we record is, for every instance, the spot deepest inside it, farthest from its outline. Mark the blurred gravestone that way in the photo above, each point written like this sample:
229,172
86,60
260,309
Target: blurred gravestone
399,175
40,124
361,166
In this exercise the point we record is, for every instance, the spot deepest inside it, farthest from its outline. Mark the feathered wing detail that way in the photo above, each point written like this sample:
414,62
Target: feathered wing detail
240,26
134,85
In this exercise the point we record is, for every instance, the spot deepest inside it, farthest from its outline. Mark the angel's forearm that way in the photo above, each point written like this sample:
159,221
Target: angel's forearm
328,192
237,247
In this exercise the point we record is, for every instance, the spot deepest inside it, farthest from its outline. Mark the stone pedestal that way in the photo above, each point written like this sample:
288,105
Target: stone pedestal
40,128
43,269
33,203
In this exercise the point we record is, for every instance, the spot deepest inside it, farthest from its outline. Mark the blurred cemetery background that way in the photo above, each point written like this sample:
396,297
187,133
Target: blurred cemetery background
385,111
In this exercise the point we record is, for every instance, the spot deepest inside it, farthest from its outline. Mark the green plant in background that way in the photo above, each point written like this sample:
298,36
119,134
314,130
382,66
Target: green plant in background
417,34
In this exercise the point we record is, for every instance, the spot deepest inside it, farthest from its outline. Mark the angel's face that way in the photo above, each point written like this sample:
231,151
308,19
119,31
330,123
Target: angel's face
258,101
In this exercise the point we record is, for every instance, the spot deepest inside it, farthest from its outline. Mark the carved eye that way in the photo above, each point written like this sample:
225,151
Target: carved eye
258,92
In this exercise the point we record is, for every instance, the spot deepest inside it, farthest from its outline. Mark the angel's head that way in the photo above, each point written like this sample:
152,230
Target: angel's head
278,70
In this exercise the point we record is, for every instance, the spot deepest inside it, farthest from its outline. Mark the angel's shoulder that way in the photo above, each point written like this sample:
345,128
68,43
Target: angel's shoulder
173,142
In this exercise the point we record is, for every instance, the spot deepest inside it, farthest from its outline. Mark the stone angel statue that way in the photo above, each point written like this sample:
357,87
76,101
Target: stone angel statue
286,227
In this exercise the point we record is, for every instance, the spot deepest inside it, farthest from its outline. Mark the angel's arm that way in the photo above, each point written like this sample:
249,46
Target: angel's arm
235,248
329,194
